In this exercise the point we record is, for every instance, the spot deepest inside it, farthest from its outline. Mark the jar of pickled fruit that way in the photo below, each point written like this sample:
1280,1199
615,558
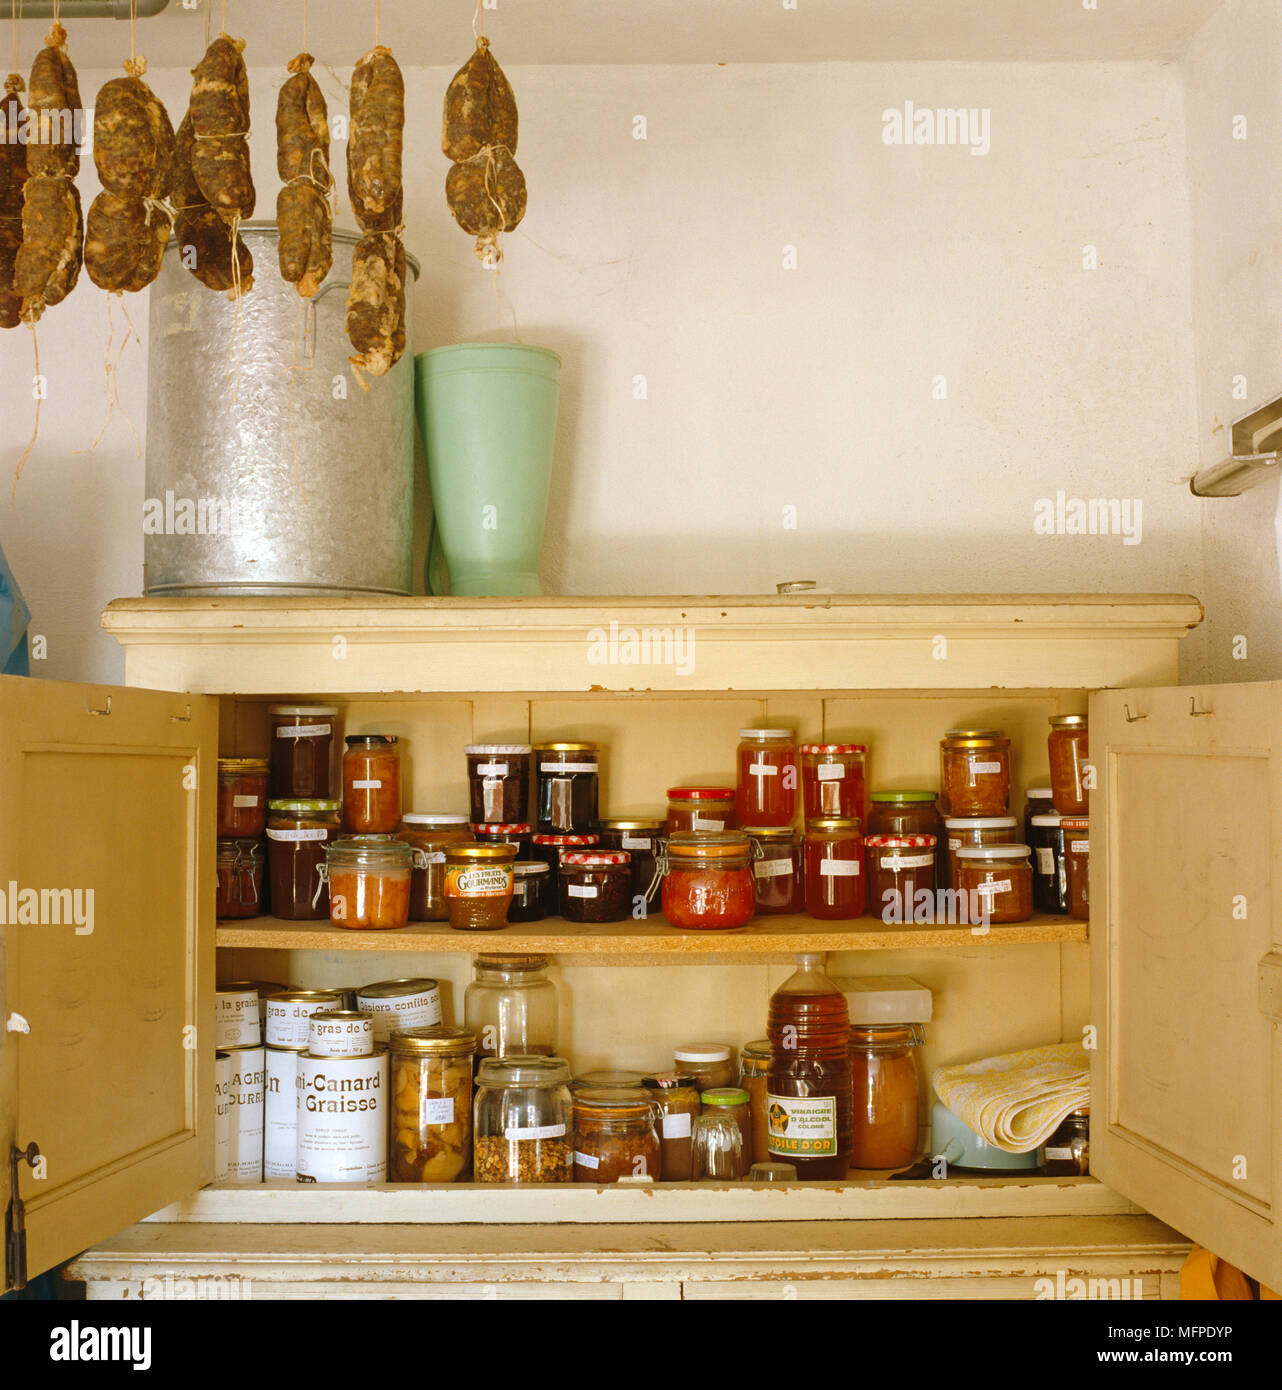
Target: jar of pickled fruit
1067,747
767,777
302,751
242,798
478,885
431,1111
899,868
834,861
1077,851
510,1004
615,1135
369,881
832,780
596,885
240,879
372,784
754,1067
568,779
974,832
777,872
974,773
677,1096
522,1121
701,809
433,833
299,834
707,882
998,882
904,813
499,780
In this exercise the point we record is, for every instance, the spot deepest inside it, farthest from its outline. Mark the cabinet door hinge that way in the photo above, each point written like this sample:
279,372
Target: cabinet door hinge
15,1222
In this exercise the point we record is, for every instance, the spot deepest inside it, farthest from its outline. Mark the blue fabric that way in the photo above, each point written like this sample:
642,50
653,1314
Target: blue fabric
14,617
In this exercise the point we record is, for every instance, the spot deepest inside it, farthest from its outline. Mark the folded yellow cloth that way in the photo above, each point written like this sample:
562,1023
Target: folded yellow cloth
1016,1101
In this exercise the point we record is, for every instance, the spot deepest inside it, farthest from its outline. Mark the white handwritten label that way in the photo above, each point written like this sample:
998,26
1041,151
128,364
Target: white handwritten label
586,1160
239,801
985,769
581,890
534,1132
676,1126
1001,885
363,784
1046,861
830,772
556,768
839,868
438,1110
1079,846
907,861
699,822
318,833
304,730
637,841
772,868
491,769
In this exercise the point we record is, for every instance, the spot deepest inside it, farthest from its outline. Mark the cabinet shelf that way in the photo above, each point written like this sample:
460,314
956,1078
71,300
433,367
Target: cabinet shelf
554,936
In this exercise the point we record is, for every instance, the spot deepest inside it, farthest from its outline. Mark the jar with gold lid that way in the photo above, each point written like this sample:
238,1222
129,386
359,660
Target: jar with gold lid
567,778
974,773
478,885
242,798
431,1126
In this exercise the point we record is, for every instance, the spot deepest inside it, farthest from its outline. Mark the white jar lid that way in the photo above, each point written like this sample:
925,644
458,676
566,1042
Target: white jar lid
994,852
295,710
431,818
765,733
701,1052
1045,820
981,822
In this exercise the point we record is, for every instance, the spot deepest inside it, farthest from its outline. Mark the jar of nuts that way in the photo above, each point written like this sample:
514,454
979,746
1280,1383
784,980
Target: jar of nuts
523,1120
431,1103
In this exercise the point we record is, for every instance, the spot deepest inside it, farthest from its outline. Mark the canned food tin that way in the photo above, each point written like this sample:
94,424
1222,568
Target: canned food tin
340,1033
398,1004
236,1016
280,1112
342,1118
245,1096
222,1113
289,1011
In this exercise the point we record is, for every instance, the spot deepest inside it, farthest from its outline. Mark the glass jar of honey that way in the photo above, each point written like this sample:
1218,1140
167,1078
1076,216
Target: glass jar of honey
886,1094
767,773
974,768
372,784
832,780
834,856
1067,747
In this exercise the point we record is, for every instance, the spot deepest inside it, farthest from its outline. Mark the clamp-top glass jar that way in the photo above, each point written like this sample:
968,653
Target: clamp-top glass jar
240,879
369,881
777,872
707,882
639,836
523,1120
615,1135
568,779
433,833
510,1004
974,773
299,834
767,772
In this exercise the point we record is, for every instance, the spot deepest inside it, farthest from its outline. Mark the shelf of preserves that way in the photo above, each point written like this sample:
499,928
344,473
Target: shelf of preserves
783,935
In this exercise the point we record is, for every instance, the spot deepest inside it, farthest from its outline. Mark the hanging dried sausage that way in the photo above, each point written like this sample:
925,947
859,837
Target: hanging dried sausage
48,263
304,220
133,139
124,243
13,179
375,141
54,98
480,108
376,304
220,124
486,193
204,239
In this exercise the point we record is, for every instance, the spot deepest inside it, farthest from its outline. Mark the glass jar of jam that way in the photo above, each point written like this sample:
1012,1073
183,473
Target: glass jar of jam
701,809
974,773
832,780
1037,802
899,868
299,834
242,798
974,832
1050,864
478,885
886,1094
567,787
735,1102
510,1005
548,849
767,771
677,1096
615,1135
528,892
1067,1153
639,836
518,834
431,1104
707,881
777,873
369,881
904,813
1066,745
754,1067
710,1063
302,751
1077,851
834,861
595,885
372,784
433,833
240,879
522,1119
498,776
998,882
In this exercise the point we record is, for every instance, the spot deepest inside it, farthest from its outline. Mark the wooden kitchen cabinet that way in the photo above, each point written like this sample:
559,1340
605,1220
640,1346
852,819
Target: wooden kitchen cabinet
1184,1006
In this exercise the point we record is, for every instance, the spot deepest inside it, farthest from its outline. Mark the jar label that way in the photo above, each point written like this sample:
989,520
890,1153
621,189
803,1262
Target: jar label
580,890
1079,846
1046,862
436,856
491,882
1001,885
239,801
637,841
830,772
438,1110
985,769
764,770
1061,1155
772,868
676,1126
802,1126
313,834
586,1160
567,767
534,1132
699,822
304,730
491,769
907,861
365,784
953,844
839,868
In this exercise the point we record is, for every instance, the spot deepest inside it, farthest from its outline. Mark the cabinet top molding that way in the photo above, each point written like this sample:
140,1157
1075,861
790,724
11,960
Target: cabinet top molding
669,643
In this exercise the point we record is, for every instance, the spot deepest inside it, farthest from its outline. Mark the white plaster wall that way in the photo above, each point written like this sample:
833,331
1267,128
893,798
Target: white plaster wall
767,387
1234,69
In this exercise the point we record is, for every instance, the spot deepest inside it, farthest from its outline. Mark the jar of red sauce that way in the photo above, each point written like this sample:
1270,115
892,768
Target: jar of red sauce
701,809
1067,748
767,772
369,881
242,798
372,784
834,860
974,768
777,870
707,881
832,780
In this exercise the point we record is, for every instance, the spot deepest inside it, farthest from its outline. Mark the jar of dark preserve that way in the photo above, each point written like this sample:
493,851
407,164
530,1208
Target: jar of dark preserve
517,833
548,849
904,813
899,868
1050,864
528,893
639,836
567,779
767,772
777,872
498,776
299,834
1037,802
834,859
596,886
302,750
240,879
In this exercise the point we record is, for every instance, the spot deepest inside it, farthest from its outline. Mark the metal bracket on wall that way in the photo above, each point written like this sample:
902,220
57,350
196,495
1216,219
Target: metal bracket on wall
1256,444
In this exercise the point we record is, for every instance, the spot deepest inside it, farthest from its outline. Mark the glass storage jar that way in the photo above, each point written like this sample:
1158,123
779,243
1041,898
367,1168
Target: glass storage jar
242,798
735,1102
369,881
548,849
777,873
677,1096
904,813
615,1135
832,780
716,1148
886,1094
607,1079
240,879
431,1124
1067,746
567,787
1050,864
998,882
510,1004
1077,851
1067,1153
595,885
529,895
522,1121
498,777
433,833
974,773
518,834
1037,802
701,809
754,1066
372,784
767,777
302,751
707,883
834,857
639,836
299,834
974,832
478,885
899,868
712,1064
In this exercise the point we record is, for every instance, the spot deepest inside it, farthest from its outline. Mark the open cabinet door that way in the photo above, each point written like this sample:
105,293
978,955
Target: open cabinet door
1186,966
106,958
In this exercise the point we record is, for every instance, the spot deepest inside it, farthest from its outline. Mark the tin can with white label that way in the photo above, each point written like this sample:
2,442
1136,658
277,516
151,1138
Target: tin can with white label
340,1033
289,1010
342,1118
245,1097
280,1112
236,1015
222,1114
398,1004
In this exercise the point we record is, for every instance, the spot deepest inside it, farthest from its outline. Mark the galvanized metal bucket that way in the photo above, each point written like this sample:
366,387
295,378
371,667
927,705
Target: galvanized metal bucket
264,477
